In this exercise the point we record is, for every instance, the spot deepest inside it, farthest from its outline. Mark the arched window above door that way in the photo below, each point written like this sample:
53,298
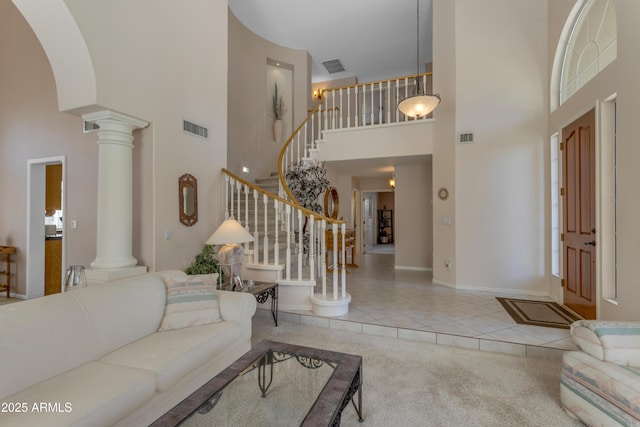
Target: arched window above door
590,44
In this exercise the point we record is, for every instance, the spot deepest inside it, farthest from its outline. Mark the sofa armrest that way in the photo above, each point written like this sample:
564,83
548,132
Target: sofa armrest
609,341
237,306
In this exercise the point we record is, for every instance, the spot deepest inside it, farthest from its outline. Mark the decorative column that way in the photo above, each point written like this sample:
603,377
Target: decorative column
114,259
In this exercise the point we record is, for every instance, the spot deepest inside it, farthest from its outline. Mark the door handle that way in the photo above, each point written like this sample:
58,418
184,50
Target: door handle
591,243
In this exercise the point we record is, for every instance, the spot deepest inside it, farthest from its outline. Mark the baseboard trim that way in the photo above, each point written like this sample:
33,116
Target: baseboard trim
518,292
404,267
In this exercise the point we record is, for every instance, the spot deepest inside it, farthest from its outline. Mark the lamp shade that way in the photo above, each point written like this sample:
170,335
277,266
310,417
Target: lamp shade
230,231
418,105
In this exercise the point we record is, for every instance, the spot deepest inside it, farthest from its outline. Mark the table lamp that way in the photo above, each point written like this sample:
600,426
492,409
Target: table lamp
230,256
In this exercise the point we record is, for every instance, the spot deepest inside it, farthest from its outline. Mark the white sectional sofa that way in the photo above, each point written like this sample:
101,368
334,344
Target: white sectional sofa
94,356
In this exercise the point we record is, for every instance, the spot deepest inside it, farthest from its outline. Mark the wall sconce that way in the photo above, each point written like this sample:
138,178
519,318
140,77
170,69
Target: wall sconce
392,183
317,94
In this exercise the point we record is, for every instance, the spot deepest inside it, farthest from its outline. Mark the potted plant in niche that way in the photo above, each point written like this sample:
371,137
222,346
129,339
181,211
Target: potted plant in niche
278,110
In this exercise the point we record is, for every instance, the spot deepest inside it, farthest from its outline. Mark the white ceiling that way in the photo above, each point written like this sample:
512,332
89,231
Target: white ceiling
374,40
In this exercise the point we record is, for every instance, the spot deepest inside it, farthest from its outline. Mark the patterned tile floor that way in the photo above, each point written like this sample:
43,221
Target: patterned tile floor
406,303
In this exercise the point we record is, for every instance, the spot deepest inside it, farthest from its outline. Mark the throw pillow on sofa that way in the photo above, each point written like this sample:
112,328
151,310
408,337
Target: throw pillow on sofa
191,301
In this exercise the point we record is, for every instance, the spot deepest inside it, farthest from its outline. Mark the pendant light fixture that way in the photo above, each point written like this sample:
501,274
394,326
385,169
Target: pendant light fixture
420,104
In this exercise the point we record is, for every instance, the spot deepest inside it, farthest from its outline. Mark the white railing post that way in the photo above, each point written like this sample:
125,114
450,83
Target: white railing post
256,229
276,243
239,190
265,241
226,196
230,201
323,255
300,242
288,252
334,248
312,248
343,255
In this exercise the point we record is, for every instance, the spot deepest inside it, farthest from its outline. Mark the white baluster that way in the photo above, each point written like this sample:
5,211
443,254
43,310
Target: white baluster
313,129
231,213
380,105
306,144
246,216
343,255
265,259
239,190
341,108
397,98
288,252
301,243
276,243
357,104
406,93
323,255
226,196
312,248
348,108
334,230
388,116
372,107
256,230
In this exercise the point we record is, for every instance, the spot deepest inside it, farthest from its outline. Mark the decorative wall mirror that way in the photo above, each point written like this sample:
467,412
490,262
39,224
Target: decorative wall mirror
188,199
331,203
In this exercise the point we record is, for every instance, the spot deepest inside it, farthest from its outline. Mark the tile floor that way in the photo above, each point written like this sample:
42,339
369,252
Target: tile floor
406,304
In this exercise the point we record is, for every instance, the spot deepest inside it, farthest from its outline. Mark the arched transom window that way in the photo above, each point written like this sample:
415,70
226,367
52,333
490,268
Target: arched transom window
590,47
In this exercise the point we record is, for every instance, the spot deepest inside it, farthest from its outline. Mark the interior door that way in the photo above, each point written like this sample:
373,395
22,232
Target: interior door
579,216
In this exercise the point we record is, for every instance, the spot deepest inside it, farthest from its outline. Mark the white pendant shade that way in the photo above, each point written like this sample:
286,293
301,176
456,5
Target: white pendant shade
418,105
230,231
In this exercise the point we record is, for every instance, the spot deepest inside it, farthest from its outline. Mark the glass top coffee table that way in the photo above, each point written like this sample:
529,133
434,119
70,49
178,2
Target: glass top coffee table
275,384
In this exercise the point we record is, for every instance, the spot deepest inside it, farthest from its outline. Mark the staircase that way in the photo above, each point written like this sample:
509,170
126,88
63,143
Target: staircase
270,212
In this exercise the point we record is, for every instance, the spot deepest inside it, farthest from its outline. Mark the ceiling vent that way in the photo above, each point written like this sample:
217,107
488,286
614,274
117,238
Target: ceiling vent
195,129
88,126
333,66
465,138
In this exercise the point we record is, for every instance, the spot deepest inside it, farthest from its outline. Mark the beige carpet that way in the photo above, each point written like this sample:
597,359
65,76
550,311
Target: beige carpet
538,313
417,384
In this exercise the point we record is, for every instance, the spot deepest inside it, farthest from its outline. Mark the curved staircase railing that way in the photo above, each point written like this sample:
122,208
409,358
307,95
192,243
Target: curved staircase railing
276,225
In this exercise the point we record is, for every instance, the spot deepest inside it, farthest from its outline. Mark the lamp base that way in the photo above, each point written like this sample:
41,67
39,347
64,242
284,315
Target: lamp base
230,258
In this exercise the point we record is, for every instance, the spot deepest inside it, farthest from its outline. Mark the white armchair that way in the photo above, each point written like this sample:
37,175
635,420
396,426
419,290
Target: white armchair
600,383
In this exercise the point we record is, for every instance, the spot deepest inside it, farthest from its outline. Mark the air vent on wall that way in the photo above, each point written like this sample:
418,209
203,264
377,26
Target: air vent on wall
88,126
465,138
195,129
333,66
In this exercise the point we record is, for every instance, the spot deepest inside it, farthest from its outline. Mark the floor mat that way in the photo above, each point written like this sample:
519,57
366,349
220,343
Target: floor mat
538,313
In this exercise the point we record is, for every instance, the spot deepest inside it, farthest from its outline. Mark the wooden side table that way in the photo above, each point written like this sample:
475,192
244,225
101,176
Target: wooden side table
262,291
5,256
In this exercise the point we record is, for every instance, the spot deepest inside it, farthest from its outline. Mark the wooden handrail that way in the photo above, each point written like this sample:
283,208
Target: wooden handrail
283,152
304,210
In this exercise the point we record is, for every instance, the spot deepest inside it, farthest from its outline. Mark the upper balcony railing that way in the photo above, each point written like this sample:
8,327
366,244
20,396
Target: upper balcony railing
356,106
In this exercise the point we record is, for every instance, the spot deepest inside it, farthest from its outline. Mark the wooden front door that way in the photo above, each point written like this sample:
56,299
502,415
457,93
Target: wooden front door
579,216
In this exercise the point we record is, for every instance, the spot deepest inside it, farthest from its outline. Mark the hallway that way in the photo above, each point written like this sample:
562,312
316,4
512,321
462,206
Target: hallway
406,304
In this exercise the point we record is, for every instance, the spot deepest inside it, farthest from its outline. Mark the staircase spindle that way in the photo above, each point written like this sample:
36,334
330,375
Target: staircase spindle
335,266
288,251
226,196
312,248
372,108
300,243
276,243
265,259
323,255
343,255
256,231
357,104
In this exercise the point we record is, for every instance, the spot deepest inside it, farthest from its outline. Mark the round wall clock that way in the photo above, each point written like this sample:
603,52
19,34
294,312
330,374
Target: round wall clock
443,193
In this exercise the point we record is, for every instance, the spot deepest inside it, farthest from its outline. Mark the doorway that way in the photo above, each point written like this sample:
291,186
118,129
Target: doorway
39,208
377,208
579,225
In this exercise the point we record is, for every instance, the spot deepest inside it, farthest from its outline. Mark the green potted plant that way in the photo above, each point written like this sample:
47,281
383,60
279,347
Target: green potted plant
205,263
277,109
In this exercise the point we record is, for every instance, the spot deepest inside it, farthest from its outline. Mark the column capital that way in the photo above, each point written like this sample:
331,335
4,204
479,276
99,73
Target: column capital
108,116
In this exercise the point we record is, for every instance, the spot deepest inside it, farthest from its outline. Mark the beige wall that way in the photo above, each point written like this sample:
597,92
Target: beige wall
144,71
413,220
621,78
250,143
501,95
31,127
